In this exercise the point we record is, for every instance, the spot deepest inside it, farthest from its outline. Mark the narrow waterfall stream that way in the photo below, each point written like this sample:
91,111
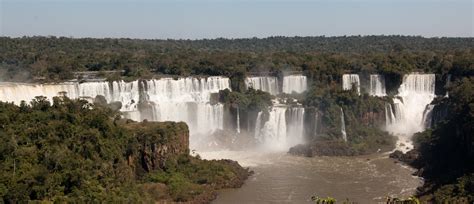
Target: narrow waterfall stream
343,126
377,85
238,120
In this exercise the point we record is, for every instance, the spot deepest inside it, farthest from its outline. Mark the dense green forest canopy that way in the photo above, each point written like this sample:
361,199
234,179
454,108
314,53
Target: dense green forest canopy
73,151
321,58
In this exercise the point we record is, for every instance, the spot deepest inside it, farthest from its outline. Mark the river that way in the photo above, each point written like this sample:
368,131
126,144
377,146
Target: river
282,178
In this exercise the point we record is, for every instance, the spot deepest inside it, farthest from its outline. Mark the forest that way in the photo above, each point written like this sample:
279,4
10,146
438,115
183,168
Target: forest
323,59
442,152
74,151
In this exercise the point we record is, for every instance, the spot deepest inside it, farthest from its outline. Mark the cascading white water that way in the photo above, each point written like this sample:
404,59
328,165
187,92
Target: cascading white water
238,120
258,125
427,116
126,93
184,99
348,80
17,92
295,126
416,92
187,100
283,129
272,135
389,116
377,85
343,127
294,83
264,83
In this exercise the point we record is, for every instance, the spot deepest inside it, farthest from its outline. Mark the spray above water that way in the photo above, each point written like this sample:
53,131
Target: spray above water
415,93
283,129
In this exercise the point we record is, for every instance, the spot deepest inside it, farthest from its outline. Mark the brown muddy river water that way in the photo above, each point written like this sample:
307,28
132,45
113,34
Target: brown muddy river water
283,178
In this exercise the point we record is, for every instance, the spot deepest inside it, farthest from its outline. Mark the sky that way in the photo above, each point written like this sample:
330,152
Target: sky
198,19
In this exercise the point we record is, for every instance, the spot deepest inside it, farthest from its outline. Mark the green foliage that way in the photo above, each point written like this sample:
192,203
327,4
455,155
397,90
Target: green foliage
73,151
446,151
322,58
251,100
363,115
318,200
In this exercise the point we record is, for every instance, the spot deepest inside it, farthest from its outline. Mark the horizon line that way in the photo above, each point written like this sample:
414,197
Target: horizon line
238,38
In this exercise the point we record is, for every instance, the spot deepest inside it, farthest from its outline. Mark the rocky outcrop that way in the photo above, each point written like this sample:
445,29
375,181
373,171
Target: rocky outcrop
157,142
409,158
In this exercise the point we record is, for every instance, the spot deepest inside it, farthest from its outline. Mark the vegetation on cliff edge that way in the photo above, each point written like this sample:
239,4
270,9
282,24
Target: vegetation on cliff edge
73,151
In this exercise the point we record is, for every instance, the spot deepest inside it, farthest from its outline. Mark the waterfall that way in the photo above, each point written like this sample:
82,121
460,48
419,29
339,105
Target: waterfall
272,135
258,125
389,115
266,83
187,100
16,92
166,99
238,120
343,127
415,93
295,125
294,83
427,116
126,93
448,82
377,85
316,120
348,80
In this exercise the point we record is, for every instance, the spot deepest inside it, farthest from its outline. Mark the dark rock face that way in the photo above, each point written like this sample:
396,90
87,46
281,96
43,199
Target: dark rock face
409,158
99,99
157,142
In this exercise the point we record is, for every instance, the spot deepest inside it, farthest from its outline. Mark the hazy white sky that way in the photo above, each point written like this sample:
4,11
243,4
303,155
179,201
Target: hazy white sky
235,19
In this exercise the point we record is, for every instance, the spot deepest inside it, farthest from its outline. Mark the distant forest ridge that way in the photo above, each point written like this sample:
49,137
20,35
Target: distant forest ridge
320,58
372,43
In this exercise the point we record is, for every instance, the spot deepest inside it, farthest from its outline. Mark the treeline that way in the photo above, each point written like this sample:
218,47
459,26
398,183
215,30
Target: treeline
321,58
72,151
446,151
